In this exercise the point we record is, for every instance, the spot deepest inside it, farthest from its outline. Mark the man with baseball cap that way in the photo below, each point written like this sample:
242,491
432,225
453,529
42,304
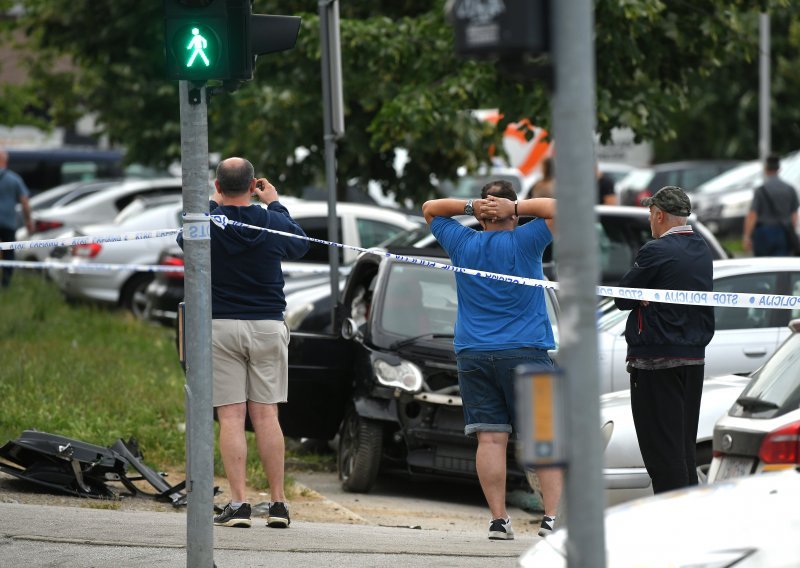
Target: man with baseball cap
666,342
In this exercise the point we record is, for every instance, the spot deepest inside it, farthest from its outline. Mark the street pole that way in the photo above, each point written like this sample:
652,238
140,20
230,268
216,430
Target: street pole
197,249
764,127
576,247
333,113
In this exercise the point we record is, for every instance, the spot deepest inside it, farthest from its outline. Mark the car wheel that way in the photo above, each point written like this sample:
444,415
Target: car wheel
134,297
360,445
703,461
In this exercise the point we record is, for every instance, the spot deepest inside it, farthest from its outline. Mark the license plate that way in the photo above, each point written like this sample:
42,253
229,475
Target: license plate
731,467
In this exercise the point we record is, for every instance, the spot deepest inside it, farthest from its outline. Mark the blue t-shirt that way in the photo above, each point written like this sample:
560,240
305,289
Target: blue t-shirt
494,315
12,188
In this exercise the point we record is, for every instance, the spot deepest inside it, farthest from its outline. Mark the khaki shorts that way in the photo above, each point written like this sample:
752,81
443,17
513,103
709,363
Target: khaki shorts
250,361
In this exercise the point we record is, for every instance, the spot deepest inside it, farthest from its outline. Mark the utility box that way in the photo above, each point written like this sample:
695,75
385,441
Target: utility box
501,29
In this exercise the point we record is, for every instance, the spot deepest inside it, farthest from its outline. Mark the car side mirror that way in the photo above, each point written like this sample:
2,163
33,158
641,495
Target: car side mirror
350,329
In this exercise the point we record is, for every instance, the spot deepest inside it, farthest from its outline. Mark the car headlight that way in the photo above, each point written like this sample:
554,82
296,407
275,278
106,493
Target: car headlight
406,376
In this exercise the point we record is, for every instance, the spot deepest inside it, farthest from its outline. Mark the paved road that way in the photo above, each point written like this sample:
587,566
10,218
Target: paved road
452,518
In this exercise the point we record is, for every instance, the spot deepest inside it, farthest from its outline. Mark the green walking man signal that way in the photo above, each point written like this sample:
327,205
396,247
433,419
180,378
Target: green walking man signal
198,44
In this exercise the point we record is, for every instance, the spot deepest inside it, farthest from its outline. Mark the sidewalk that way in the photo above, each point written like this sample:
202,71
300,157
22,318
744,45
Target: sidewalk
38,536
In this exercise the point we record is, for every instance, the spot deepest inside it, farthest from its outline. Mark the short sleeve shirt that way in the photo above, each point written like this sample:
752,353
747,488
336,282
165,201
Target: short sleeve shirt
494,315
12,189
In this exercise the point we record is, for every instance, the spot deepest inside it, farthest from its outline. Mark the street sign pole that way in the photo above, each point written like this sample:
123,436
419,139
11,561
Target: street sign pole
197,255
576,246
333,113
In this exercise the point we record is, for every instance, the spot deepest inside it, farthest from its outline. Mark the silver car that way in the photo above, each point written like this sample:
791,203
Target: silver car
761,431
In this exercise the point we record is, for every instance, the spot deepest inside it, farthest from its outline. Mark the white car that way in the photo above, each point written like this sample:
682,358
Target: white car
744,337
123,287
761,431
752,522
99,207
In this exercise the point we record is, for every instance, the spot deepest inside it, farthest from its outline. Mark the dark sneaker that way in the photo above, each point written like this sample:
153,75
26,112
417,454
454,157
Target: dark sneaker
548,523
500,529
278,515
230,517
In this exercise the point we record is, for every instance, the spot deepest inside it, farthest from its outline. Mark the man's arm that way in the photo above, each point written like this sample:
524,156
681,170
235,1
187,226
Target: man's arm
26,213
749,225
448,207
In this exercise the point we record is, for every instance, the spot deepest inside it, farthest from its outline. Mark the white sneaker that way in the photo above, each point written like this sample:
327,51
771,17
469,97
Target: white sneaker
548,524
500,529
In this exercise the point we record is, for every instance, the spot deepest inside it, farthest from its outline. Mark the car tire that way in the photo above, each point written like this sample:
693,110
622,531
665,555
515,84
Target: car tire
134,297
359,455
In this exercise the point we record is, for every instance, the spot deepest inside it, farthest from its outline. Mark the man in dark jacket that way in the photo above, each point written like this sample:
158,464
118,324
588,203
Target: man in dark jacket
666,342
249,336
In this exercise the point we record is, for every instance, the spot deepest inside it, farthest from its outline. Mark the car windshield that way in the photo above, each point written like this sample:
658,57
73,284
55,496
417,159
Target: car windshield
407,238
778,381
418,300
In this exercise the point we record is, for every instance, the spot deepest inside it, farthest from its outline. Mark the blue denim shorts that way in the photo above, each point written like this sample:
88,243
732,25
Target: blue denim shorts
486,381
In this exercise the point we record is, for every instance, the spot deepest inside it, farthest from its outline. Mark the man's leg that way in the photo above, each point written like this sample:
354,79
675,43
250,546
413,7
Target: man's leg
233,447
552,482
271,447
490,461
693,392
658,416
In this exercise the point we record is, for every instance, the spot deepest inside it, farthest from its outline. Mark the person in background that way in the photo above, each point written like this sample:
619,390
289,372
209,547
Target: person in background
667,342
545,187
772,214
12,191
249,336
606,195
499,326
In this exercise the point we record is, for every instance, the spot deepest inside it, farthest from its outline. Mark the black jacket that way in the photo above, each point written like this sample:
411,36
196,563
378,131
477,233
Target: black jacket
679,261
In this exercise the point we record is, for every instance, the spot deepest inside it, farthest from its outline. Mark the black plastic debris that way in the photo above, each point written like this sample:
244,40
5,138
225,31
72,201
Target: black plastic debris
82,469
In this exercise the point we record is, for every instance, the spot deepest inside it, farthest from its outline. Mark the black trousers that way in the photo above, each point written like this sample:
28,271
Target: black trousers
666,409
7,236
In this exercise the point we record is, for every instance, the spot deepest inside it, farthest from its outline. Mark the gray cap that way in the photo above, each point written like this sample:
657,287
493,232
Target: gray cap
671,199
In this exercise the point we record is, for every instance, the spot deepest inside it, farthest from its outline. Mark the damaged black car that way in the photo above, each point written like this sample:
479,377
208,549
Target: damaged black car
385,380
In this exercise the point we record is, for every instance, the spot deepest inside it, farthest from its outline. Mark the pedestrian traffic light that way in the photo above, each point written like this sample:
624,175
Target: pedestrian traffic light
197,39
220,39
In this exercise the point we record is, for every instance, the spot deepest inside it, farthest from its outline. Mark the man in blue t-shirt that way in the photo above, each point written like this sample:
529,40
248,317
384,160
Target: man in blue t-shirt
499,326
249,338
12,191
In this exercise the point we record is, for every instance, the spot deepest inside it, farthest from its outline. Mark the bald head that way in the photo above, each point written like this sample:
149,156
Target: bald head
234,176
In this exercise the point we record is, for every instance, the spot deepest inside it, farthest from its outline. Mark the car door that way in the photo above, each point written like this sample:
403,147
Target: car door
744,338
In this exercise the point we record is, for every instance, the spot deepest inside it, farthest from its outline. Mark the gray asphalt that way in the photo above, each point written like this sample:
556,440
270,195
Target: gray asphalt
44,536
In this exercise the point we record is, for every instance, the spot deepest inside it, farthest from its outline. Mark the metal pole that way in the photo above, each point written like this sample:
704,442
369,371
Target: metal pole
330,149
764,127
197,248
576,247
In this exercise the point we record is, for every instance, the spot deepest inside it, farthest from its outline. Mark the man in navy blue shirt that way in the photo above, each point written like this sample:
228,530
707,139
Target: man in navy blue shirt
499,326
249,336
667,342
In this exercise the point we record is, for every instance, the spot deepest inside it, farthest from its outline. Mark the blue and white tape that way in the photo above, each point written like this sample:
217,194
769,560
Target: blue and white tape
93,267
688,297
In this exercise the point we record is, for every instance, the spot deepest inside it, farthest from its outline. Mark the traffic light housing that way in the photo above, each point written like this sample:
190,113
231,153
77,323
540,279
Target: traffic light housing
220,39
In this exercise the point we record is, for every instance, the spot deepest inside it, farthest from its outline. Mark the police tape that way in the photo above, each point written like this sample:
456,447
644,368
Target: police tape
76,267
87,240
688,297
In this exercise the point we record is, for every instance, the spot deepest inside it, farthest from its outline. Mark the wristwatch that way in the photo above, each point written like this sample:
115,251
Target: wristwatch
468,210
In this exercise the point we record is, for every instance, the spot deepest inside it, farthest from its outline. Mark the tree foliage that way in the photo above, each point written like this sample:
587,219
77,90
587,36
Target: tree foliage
403,85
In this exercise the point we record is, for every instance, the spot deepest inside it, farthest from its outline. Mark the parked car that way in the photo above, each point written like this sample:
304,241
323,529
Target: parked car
644,182
45,168
99,207
122,287
387,383
744,337
723,202
744,523
359,225
761,431
621,231
62,195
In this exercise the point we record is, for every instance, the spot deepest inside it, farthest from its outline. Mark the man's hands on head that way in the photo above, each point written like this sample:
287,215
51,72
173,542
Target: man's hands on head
265,191
494,208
